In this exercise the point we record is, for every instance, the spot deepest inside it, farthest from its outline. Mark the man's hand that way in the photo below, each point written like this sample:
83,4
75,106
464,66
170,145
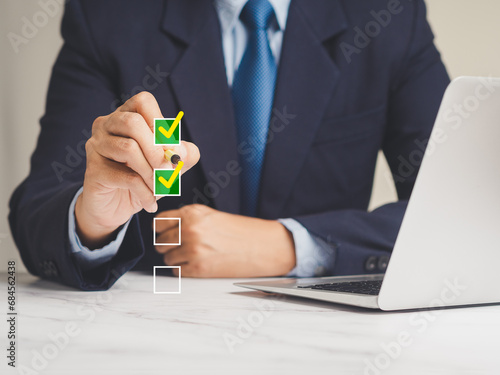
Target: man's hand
218,244
119,178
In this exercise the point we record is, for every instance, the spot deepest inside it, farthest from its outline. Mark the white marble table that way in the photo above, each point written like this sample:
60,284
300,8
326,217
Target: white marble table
213,327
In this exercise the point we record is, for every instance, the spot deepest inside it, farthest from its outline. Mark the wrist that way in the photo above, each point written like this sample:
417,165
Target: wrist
287,259
90,231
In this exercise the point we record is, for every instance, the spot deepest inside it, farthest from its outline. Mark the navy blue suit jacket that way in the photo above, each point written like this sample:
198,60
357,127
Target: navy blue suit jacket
349,84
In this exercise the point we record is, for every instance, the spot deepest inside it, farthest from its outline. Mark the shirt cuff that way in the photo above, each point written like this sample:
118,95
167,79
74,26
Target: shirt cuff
314,256
86,258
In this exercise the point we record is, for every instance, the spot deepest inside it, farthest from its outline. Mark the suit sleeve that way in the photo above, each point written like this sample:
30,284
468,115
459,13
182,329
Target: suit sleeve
80,90
363,240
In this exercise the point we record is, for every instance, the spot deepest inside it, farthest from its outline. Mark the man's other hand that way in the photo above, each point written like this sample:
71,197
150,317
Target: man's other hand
218,244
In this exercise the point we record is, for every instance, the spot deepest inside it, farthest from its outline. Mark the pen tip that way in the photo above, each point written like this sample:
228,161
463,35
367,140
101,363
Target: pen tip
175,159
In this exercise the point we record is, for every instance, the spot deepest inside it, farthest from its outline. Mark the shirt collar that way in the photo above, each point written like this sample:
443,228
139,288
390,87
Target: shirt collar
229,12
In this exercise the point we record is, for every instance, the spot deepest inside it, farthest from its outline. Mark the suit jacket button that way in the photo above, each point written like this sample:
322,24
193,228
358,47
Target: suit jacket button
52,270
49,269
43,267
371,263
383,261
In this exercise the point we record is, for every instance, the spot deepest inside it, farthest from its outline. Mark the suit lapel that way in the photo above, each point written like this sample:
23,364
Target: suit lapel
307,77
200,86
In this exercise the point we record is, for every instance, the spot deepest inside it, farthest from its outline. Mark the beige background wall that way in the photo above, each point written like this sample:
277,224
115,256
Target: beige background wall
467,33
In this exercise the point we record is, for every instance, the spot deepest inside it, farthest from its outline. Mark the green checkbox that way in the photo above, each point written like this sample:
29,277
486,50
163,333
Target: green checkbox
167,182
167,131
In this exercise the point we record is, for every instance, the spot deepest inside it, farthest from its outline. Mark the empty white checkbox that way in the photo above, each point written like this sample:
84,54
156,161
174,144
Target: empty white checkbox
163,284
177,242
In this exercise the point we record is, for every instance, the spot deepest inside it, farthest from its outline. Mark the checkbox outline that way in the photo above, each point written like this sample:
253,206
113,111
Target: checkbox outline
177,143
154,231
167,195
154,279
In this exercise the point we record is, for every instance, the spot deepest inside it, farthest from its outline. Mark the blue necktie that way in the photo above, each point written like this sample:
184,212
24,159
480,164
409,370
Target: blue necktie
253,93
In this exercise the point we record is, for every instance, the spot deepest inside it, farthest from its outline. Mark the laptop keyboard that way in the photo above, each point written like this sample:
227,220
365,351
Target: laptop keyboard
370,287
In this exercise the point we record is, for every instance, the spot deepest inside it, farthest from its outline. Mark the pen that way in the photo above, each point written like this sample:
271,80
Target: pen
171,156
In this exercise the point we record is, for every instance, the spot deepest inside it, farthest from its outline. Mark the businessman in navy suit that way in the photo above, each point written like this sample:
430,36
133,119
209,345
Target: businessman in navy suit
288,103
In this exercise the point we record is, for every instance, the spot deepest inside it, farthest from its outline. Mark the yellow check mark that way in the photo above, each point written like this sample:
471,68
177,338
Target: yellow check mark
172,128
168,184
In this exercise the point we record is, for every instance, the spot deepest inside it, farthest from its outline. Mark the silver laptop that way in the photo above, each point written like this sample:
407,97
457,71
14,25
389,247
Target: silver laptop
448,248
